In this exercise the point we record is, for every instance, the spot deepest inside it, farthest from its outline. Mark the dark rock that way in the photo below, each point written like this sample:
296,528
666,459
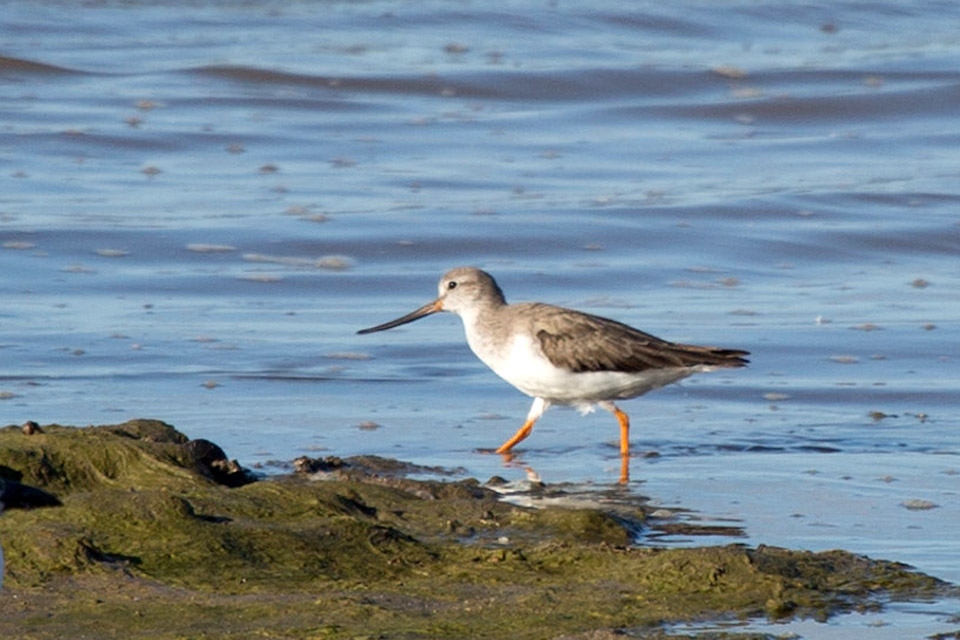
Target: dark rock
14,495
210,461
30,427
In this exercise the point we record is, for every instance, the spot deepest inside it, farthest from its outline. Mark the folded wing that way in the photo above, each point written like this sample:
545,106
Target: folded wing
581,342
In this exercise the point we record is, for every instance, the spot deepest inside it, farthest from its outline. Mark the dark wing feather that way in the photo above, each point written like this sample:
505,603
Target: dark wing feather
582,342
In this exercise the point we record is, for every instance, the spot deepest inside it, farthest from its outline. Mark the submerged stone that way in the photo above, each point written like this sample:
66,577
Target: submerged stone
150,534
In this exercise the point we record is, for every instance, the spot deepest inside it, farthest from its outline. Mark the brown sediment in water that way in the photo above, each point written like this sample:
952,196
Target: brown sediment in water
147,534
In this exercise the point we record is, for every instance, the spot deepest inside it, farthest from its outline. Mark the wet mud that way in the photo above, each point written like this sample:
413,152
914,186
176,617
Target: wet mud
136,531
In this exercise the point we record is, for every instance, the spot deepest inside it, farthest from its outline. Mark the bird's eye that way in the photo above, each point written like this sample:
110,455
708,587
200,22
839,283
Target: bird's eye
452,284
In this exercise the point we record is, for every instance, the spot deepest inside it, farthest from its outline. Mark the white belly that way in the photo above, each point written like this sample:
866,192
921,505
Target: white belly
525,367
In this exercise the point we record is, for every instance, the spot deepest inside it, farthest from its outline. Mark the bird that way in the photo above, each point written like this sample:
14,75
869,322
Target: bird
561,356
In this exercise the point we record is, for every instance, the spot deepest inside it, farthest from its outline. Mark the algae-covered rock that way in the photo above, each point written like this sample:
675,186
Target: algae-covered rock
153,535
140,453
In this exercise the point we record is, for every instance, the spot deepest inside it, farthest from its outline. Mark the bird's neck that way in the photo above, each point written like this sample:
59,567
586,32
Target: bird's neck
481,326
481,314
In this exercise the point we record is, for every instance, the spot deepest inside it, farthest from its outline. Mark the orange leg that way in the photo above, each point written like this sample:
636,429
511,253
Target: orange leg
536,410
624,421
521,434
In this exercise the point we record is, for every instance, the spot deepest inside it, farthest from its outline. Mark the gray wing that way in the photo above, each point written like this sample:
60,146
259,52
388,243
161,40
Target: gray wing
582,342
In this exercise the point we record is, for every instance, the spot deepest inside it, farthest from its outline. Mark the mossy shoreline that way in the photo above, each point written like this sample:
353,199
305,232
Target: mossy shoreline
136,531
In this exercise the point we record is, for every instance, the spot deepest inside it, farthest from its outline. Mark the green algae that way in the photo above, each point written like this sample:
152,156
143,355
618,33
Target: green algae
155,538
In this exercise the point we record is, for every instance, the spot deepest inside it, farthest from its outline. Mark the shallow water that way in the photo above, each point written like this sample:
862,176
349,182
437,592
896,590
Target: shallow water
203,201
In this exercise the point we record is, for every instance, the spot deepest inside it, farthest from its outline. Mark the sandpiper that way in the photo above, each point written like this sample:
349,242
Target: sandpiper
562,356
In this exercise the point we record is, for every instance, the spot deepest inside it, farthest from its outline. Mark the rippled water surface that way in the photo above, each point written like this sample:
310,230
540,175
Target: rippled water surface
203,201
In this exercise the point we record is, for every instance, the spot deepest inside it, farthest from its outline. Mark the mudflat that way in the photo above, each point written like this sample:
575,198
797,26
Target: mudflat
134,531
